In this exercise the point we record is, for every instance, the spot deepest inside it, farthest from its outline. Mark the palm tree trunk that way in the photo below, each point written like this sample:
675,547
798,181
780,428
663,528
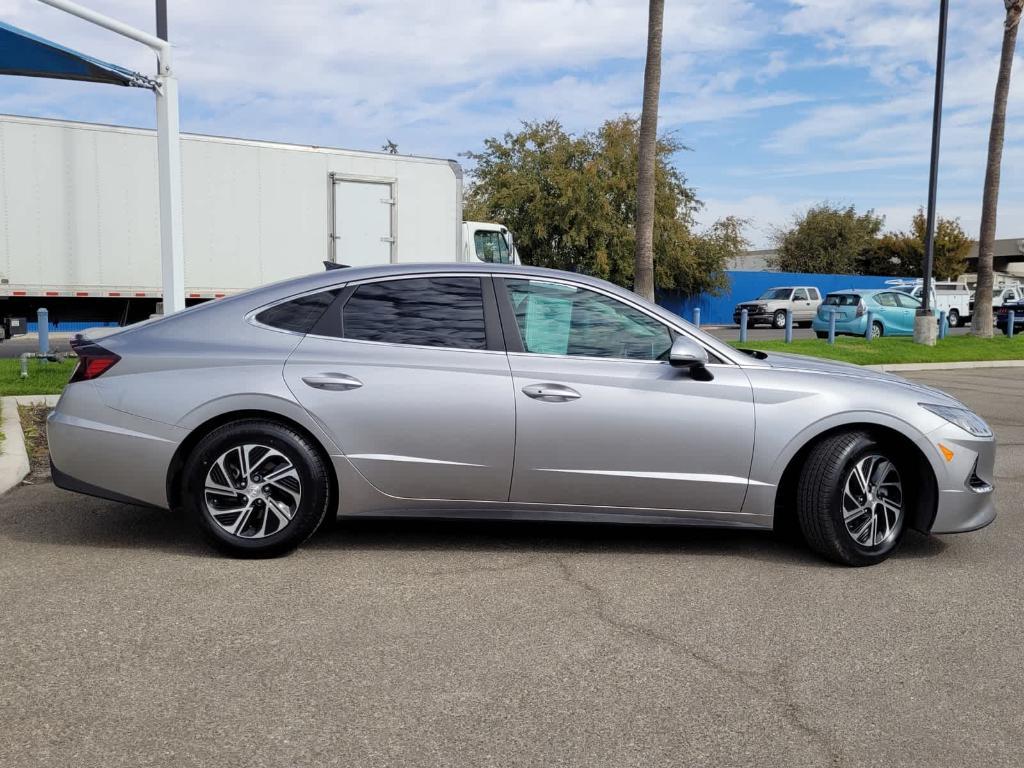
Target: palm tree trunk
981,321
643,279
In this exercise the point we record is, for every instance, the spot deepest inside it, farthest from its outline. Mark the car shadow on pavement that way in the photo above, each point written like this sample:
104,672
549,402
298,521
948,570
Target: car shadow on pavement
44,515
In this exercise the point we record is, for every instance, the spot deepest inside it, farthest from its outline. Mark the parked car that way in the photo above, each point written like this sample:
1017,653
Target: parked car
1003,317
770,307
952,297
491,391
892,312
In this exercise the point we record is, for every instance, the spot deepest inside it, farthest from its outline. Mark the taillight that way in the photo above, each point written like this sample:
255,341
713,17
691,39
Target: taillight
93,361
860,308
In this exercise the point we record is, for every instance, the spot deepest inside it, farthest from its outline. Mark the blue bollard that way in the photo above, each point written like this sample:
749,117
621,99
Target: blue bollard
696,316
1010,320
43,322
832,327
744,314
867,328
789,326
943,324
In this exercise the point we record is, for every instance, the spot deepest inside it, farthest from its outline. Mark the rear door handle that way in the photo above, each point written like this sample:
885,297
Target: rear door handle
551,393
334,382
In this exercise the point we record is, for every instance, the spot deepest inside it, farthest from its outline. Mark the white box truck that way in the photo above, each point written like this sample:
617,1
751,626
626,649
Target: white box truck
80,230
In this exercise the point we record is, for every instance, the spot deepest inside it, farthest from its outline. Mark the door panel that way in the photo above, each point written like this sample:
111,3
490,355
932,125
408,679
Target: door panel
362,222
430,423
631,434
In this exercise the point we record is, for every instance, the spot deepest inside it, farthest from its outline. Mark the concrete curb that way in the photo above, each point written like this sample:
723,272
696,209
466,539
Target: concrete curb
897,367
13,454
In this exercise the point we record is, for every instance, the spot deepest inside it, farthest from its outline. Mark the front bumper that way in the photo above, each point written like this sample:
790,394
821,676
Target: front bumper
753,315
965,489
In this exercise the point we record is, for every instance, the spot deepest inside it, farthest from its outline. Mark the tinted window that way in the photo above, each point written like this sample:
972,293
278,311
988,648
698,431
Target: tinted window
428,311
842,300
814,294
299,315
557,319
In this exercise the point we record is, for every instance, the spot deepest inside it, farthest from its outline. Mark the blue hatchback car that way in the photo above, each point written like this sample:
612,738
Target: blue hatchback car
892,312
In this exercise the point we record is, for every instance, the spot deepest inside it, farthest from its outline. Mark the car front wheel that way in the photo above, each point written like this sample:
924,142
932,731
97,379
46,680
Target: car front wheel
779,319
256,488
852,499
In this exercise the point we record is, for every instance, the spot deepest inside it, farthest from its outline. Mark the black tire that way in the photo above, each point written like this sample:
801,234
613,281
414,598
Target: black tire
310,470
821,334
953,318
881,330
821,491
779,319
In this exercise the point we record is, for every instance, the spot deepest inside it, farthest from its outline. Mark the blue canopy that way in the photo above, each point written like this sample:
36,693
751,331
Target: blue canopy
22,53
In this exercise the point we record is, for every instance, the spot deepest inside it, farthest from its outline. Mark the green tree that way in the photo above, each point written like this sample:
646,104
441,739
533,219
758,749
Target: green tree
827,238
571,202
902,253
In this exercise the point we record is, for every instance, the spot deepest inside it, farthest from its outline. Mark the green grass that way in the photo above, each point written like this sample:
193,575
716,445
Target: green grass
43,378
852,349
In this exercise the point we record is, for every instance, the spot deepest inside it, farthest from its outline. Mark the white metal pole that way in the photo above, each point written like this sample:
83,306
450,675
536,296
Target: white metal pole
172,253
169,162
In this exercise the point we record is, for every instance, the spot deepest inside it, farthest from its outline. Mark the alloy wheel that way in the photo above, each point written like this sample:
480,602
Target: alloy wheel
252,491
872,501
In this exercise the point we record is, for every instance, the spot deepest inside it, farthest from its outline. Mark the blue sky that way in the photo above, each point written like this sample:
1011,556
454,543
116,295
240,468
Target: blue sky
783,103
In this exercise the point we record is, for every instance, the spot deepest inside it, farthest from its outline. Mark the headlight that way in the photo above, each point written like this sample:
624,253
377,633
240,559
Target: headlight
963,418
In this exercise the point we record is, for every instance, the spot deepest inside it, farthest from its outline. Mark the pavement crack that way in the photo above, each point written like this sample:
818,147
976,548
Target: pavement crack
773,685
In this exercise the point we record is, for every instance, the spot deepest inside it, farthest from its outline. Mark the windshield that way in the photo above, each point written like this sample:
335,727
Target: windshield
842,299
776,294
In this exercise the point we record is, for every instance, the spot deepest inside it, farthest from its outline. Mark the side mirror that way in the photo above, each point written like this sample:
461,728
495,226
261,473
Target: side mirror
687,353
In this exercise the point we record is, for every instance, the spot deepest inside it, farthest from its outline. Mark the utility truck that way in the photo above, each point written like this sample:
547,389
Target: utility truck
952,296
79,217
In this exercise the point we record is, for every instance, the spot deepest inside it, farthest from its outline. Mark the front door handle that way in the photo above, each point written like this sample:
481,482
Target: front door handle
551,393
333,382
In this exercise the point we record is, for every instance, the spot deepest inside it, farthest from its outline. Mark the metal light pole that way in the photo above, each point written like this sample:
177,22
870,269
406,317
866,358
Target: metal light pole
924,324
168,145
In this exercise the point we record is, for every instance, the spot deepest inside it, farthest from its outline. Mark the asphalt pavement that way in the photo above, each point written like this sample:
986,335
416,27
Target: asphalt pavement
124,641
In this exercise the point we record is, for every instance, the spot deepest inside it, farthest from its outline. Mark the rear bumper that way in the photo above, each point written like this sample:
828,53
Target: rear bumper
104,452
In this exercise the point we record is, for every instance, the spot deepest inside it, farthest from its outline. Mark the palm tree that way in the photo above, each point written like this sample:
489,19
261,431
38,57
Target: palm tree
643,279
981,322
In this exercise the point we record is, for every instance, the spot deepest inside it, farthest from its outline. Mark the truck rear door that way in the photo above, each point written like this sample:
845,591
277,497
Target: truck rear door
363,224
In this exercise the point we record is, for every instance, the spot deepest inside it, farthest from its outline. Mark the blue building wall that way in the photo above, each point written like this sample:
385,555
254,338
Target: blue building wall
70,326
745,286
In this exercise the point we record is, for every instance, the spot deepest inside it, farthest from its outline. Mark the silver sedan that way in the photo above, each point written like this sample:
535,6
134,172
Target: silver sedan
487,391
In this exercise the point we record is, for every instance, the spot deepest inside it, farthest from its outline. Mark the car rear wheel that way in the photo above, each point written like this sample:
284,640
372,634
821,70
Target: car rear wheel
256,488
852,499
877,331
779,319
821,334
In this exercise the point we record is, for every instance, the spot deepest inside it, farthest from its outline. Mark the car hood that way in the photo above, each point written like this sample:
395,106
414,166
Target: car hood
822,367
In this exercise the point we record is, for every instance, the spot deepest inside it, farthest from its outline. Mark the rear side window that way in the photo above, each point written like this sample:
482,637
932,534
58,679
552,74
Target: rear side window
298,315
814,294
800,295
842,300
425,311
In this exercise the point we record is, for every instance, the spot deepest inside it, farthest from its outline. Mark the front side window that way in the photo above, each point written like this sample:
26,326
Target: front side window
556,319
491,247
298,315
426,311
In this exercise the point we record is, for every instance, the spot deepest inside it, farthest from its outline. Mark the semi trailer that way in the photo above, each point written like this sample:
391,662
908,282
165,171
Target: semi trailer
79,217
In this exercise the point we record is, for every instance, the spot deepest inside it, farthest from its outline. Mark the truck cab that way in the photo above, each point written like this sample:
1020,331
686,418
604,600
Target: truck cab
488,242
